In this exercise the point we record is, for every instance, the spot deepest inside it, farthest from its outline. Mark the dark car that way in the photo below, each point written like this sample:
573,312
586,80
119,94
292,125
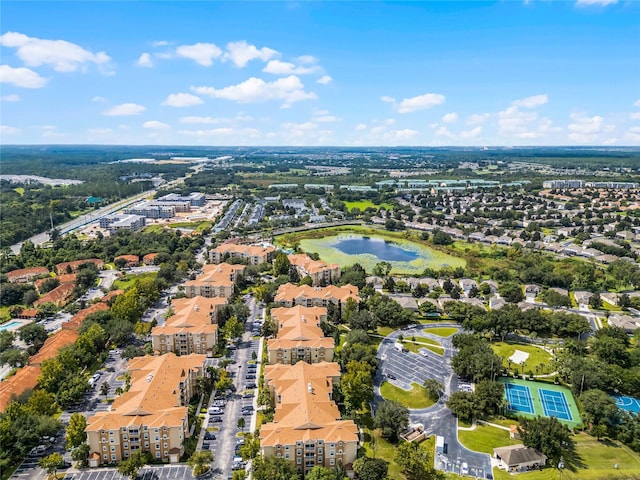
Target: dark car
215,419
248,395
391,376
247,412
250,386
209,436
250,376
205,445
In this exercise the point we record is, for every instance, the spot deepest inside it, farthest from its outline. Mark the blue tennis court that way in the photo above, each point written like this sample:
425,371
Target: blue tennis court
629,404
519,398
555,404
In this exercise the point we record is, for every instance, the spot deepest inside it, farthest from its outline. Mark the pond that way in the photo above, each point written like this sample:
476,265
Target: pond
405,256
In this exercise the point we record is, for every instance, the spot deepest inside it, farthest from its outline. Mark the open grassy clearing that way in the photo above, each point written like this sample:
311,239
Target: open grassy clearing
364,204
197,226
485,438
441,331
129,280
537,357
384,331
417,397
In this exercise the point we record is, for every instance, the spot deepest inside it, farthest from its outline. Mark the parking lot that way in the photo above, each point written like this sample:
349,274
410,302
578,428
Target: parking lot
147,473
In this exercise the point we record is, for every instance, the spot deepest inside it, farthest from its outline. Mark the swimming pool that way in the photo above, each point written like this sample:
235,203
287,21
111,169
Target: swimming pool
7,326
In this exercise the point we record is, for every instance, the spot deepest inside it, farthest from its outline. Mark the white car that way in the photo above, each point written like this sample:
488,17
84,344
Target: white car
424,353
464,469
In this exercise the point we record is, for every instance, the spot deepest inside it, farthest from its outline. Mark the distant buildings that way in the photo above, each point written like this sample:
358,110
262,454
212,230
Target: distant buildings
131,222
573,183
152,415
195,199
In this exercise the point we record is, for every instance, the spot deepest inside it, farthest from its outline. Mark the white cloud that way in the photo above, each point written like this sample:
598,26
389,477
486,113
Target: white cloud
289,89
222,132
278,67
398,135
7,130
124,109
98,99
307,59
361,127
145,60
531,102
324,80
156,125
63,56
636,103
11,98
477,118
633,134
584,129
634,116
443,131
390,121
179,100
604,3
420,102
21,77
241,53
160,43
201,53
473,133
450,117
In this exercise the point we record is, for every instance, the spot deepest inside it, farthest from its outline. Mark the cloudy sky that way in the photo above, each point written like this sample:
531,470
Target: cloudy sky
301,73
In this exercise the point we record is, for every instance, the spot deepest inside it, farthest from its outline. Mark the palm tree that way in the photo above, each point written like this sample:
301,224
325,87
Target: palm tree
241,424
200,462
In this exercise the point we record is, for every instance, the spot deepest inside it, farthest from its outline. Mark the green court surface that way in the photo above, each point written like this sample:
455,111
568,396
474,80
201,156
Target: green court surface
532,399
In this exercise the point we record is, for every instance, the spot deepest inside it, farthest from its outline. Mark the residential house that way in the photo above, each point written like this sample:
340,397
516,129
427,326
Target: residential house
307,429
321,273
191,329
299,336
152,415
215,281
64,278
149,259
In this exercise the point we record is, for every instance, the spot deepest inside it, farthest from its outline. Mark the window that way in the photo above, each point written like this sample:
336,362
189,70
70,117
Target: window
157,454
319,451
113,449
299,461
113,456
124,437
299,451
157,438
104,448
146,444
125,445
166,454
157,446
165,445
332,461
105,457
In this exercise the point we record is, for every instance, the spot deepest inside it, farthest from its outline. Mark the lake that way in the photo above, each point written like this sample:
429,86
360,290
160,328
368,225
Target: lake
405,256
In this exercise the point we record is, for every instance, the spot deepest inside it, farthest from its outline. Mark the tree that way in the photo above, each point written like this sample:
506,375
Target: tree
624,301
595,301
434,389
14,357
232,329
392,418
382,269
511,292
250,448
51,463
48,285
322,473
357,386
80,454
6,340
368,468
200,462
599,408
362,320
547,435
462,405
488,397
241,424
76,434
131,466
33,334
281,264
441,238
104,389
273,468
416,462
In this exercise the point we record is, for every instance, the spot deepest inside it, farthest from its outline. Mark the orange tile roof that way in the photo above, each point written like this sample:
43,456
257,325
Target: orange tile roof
58,295
62,267
154,396
25,378
190,314
26,272
221,274
77,320
309,265
64,278
251,250
128,258
53,344
112,294
289,292
299,326
149,257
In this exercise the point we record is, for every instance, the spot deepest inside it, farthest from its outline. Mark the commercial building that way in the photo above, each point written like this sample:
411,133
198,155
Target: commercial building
152,415
130,222
195,199
306,428
299,337
291,295
152,209
321,273
215,281
254,254
191,329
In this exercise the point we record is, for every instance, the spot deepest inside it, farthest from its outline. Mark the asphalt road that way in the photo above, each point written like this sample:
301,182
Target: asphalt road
410,367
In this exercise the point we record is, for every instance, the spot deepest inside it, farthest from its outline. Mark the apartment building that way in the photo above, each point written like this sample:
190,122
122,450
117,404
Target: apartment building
152,415
70,267
306,428
191,329
299,337
291,295
116,222
215,281
321,273
254,254
25,275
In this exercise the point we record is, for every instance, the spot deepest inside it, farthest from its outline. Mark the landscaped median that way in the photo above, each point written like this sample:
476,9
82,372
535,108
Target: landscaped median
416,397
415,344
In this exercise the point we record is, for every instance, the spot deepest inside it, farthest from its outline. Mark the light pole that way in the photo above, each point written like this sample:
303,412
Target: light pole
560,467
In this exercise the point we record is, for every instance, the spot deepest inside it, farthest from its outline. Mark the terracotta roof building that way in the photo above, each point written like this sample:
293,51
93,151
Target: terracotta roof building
70,267
111,295
254,254
299,337
65,278
149,259
290,295
191,329
321,273
132,260
25,275
78,319
25,378
59,296
306,428
152,415
215,281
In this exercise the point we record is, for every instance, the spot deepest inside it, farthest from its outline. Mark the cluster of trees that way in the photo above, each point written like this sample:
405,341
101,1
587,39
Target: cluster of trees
484,402
475,359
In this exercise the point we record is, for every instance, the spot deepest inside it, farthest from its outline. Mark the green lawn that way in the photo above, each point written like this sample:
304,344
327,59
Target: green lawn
416,343
485,438
598,458
153,229
610,307
129,280
197,226
4,314
384,331
441,331
415,398
364,204
537,357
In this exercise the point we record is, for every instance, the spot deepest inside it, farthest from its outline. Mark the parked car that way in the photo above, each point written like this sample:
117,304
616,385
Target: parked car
209,436
250,386
464,469
215,419
424,353
250,376
391,376
247,395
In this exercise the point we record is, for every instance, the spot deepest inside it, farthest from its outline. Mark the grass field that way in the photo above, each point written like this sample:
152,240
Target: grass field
416,343
197,226
441,331
364,204
485,438
537,357
417,397
129,280
598,458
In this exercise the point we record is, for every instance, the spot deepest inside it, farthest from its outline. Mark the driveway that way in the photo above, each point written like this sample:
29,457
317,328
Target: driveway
437,420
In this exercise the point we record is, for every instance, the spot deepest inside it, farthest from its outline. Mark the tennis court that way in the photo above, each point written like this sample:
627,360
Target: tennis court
519,398
629,404
555,404
530,399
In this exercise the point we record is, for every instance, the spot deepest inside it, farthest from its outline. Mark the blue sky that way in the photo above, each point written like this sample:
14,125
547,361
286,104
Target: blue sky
321,73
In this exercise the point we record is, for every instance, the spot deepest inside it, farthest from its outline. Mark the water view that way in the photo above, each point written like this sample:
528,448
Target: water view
380,248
